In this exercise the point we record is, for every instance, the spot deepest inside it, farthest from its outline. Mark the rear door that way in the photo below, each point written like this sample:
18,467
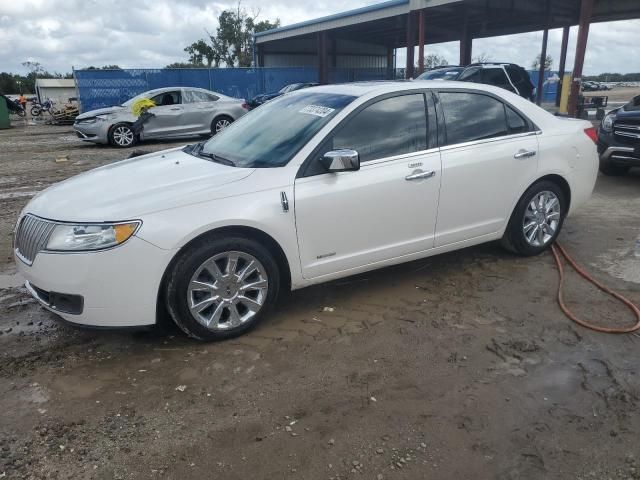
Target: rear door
199,110
167,117
388,208
489,156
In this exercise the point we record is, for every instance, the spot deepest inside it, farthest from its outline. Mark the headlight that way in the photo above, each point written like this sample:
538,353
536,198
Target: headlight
106,116
87,120
75,238
607,123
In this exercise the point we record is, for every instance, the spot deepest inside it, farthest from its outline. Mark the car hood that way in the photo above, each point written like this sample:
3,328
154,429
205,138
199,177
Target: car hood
131,188
99,111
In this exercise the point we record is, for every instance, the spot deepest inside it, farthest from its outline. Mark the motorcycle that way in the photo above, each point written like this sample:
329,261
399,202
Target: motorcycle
38,107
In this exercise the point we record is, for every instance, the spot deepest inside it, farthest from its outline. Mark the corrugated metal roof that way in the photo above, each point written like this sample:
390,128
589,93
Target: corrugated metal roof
370,12
55,82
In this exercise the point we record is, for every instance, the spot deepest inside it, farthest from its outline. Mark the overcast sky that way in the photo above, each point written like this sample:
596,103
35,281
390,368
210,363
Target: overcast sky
152,33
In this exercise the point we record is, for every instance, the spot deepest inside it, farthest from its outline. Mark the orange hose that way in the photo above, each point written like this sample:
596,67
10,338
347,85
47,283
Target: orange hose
558,250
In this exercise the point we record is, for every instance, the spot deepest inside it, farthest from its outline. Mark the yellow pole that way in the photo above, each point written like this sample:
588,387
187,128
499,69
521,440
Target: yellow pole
564,94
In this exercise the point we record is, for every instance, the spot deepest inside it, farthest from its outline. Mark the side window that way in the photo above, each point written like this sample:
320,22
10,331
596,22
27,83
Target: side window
196,96
497,77
471,75
393,126
471,116
515,122
167,98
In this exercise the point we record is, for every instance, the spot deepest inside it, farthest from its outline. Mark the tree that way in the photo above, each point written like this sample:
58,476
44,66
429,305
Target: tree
547,63
482,58
434,60
184,65
232,42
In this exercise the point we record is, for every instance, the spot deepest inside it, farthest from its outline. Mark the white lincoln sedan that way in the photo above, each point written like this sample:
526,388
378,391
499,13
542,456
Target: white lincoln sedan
318,184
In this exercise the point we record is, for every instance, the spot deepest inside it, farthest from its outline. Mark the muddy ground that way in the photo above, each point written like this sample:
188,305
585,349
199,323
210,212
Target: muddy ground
460,366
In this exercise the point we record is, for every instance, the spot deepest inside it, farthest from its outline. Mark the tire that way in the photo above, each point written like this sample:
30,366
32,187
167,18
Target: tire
201,275
611,169
35,111
524,234
220,123
121,135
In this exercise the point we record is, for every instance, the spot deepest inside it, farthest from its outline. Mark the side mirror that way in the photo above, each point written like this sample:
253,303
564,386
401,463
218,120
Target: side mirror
343,160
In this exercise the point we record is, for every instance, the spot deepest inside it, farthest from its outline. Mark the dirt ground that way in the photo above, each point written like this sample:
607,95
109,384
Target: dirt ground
460,366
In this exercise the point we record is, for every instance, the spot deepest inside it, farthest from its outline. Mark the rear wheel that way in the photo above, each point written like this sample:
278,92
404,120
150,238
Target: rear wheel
611,169
122,136
220,123
221,287
537,219
35,111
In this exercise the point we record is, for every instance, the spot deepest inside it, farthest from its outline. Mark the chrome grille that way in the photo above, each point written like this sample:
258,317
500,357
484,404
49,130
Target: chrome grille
627,128
32,237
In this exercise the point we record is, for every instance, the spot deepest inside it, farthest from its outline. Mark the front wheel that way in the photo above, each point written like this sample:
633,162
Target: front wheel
221,287
35,111
537,219
121,135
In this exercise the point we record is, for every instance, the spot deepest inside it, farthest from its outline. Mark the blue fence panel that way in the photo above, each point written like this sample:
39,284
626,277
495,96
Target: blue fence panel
104,88
550,85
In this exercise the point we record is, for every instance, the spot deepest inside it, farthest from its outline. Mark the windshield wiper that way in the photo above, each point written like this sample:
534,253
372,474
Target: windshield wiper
196,151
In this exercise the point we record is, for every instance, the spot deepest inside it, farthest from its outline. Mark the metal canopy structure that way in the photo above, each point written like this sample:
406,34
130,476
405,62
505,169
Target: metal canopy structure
363,36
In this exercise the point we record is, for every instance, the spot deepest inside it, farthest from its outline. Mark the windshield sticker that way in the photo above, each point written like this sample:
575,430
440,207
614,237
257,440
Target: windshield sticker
317,110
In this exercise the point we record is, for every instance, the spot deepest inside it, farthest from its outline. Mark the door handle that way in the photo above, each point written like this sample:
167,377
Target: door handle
176,108
420,175
520,154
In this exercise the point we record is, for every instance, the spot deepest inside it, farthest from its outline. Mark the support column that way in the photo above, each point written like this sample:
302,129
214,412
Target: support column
410,46
466,41
543,60
334,53
586,8
563,62
421,27
323,60
390,66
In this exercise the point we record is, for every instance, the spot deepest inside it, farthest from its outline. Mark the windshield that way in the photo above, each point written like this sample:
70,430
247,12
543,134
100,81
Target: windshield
441,74
271,135
131,101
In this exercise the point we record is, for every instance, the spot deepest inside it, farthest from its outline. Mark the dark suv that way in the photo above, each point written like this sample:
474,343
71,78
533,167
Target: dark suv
505,75
619,139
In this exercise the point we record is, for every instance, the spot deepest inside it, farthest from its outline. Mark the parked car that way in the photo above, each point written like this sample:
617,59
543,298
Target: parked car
265,97
350,178
179,112
619,139
504,75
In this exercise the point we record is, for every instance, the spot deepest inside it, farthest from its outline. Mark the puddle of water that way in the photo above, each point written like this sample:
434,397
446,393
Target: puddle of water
11,280
622,263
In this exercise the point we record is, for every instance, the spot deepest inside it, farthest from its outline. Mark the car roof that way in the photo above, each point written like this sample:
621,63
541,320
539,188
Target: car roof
359,89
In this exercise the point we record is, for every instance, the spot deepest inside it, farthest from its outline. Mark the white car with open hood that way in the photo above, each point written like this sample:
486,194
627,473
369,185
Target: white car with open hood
318,184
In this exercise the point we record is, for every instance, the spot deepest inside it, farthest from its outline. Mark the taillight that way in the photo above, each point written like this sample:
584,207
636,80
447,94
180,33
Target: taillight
592,134
245,106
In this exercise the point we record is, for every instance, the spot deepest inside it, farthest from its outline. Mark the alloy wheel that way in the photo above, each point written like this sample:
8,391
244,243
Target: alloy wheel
541,218
222,124
227,290
123,136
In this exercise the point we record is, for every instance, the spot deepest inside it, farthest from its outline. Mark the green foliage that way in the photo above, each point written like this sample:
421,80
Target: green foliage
548,63
434,60
231,43
16,83
185,65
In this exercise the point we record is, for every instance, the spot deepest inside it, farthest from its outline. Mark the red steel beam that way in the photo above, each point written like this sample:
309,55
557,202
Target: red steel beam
421,27
543,58
586,9
563,62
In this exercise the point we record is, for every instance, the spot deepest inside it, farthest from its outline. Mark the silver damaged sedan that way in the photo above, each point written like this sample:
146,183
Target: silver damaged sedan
179,112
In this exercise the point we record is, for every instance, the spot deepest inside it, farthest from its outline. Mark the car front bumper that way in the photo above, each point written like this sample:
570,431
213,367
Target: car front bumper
97,132
110,288
618,152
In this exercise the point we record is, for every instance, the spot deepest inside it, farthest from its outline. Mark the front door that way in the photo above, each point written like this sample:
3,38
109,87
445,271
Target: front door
168,115
386,209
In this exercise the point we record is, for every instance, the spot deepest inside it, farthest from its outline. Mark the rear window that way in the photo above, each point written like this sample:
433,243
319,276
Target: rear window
472,116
